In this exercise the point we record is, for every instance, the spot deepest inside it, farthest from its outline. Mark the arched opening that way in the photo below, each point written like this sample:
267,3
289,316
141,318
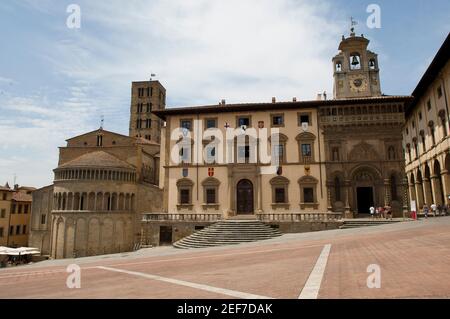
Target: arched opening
427,189
437,184
244,196
394,193
355,61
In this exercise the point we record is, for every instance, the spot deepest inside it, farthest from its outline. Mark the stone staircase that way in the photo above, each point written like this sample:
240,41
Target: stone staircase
228,232
358,223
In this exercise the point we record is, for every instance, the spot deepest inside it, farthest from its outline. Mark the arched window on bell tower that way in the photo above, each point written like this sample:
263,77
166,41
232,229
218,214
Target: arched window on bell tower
338,66
355,61
372,64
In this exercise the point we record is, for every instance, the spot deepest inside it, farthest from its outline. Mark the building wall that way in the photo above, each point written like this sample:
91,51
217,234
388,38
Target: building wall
41,219
20,221
427,159
293,169
5,206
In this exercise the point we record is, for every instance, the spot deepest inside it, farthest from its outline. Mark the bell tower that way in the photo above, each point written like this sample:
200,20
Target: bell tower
356,72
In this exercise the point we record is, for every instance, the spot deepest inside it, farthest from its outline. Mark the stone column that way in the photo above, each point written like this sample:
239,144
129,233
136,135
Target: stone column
437,189
387,192
259,210
428,195
420,198
329,204
405,189
446,184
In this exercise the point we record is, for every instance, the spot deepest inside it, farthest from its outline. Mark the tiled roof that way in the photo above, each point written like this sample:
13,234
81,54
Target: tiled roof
22,197
254,107
99,159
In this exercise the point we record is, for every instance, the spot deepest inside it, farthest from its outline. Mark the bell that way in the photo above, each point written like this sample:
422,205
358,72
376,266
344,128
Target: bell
355,60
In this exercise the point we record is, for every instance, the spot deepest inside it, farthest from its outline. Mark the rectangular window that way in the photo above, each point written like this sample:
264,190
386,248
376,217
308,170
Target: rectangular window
306,150
335,154
43,219
244,121
13,209
148,123
25,209
211,196
20,209
24,230
304,118
429,105
308,195
186,124
11,230
280,196
148,137
244,153
210,154
277,120
18,230
279,152
211,123
1,232
149,107
185,196
4,196
3,213
148,91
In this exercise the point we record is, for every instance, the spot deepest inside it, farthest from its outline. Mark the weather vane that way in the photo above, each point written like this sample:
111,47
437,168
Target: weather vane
152,76
102,121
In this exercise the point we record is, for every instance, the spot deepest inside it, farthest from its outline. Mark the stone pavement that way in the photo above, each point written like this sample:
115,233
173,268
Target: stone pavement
413,259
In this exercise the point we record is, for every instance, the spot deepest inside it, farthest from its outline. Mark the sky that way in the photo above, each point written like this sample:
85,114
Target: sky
57,82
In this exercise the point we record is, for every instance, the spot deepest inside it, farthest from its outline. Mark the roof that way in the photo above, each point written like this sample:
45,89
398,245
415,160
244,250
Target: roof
99,159
254,107
431,73
22,197
100,130
3,188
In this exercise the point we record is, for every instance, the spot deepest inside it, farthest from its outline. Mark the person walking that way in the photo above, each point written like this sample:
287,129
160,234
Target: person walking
389,212
433,209
381,210
426,210
372,212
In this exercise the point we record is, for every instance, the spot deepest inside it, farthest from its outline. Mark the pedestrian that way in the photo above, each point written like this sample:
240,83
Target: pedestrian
381,209
389,212
439,210
426,210
372,212
445,210
433,209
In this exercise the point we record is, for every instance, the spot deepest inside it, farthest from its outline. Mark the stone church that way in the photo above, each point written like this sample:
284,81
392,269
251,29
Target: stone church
334,156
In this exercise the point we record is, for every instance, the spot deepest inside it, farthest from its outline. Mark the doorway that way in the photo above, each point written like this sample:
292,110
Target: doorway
165,235
365,199
244,196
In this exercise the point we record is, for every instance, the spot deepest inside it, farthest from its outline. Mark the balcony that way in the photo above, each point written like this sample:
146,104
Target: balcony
362,119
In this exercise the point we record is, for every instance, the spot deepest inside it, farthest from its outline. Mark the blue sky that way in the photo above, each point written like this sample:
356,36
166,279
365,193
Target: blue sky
57,82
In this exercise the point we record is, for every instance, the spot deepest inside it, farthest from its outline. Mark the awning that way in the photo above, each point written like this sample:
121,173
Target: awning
19,251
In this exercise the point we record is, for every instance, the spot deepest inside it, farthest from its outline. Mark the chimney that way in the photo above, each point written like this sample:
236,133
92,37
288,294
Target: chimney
223,102
274,100
294,99
319,97
325,95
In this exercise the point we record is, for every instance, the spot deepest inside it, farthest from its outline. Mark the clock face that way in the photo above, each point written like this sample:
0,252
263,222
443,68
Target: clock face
358,84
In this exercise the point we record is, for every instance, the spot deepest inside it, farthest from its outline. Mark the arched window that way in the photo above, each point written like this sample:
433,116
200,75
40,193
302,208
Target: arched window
306,147
211,192
391,153
355,61
432,132
443,117
308,192
338,66
185,187
372,64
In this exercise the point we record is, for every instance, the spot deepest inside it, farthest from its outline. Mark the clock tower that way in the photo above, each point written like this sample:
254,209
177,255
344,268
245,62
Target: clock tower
356,72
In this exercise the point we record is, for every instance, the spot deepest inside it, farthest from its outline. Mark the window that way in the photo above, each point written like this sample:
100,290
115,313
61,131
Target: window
304,118
149,107
25,209
372,64
4,196
186,124
210,196
391,153
148,123
308,195
13,208
279,153
210,123
355,61
210,154
18,230
185,197
1,232
3,213
20,209
148,91
43,219
407,131
24,229
11,230
280,196
184,186
243,121
306,142
148,137
243,154
420,116
140,107
337,189
422,136
99,140
413,125
306,150
280,186
439,92
338,66
442,116
429,105
432,131
277,120
185,154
